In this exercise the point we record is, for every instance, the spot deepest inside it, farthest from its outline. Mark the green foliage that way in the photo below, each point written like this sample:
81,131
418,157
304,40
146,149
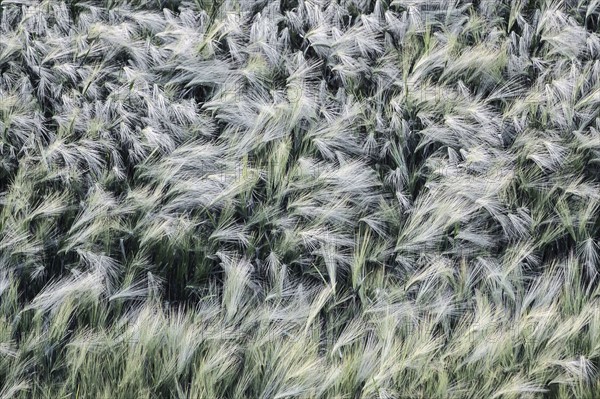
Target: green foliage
299,199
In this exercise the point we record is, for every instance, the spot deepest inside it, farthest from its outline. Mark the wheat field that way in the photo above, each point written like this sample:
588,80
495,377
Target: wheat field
271,199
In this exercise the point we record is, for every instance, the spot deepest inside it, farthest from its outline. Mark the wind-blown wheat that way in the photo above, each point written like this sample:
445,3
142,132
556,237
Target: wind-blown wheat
299,199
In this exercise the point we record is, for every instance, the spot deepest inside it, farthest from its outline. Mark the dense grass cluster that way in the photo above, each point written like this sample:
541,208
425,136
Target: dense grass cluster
299,199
